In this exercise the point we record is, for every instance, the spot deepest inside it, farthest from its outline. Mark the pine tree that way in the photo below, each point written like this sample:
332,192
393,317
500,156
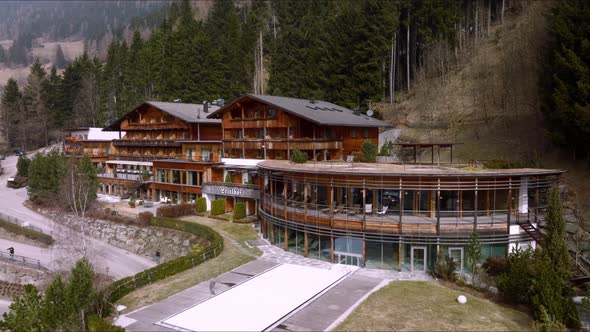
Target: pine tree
80,292
37,115
12,107
2,54
566,73
553,291
60,59
473,252
56,313
25,312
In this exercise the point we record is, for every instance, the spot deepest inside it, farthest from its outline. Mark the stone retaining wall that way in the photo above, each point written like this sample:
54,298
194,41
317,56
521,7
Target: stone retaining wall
22,275
139,240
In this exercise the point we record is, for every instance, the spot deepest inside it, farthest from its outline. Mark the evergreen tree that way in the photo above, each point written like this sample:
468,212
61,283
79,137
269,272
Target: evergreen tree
25,312
566,73
2,54
56,313
22,165
45,177
54,99
60,59
12,107
554,293
80,292
473,252
37,115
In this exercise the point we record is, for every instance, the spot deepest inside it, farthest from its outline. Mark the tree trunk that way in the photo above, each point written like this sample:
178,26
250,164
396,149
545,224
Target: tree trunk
392,70
502,11
476,21
489,16
408,51
261,65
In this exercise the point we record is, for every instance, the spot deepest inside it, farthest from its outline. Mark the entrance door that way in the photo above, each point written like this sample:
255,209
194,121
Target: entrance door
350,259
457,255
418,259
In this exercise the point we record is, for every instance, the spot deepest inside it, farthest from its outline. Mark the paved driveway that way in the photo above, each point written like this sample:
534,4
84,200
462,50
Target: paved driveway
69,245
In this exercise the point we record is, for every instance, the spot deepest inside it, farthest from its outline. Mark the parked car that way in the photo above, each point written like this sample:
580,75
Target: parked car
19,152
148,204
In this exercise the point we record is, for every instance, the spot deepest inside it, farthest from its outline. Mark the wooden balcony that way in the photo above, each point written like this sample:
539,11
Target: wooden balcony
253,123
142,157
151,126
301,144
147,142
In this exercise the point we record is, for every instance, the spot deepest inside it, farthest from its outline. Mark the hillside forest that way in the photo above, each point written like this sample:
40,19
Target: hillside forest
352,53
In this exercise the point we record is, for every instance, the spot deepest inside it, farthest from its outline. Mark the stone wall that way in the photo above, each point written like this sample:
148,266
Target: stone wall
139,240
22,275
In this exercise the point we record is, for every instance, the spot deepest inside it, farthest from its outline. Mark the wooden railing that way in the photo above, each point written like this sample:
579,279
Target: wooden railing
301,144
147,142
253,123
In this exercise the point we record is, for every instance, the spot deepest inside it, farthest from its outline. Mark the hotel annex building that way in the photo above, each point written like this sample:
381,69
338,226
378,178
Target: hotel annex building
376,215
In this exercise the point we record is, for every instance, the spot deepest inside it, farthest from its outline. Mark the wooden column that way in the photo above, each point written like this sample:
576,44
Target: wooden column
332,206
285,199
475,205
305,242
460,204
243,135
286,246
305,201
331,249
364,252
399,255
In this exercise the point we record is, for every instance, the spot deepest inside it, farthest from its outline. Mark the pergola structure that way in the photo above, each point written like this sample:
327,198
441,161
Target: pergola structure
416,146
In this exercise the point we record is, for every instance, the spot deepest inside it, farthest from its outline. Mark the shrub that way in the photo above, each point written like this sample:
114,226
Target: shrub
239,211
495,265
22,165
26,232
144,218
369,151
548,323
299,157
132,203
201,205
126,285
173,211
516,283
217,207
97,324
445,268
228,178
140,202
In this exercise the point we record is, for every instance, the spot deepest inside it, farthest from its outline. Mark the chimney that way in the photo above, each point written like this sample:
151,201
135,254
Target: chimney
205,107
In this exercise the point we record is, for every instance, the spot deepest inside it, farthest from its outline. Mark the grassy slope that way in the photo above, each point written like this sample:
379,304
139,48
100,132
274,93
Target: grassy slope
490,104
428,306
231,258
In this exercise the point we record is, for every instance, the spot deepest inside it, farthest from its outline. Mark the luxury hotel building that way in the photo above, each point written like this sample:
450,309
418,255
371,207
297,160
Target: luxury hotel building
377,215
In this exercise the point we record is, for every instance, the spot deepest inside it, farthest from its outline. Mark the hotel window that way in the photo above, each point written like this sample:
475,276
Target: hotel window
366,132
353,133
160,173
205,154
192,178
189,154
200,175
271,113
176,176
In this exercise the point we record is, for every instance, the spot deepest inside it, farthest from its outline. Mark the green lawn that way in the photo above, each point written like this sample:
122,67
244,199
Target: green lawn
231,258
427,306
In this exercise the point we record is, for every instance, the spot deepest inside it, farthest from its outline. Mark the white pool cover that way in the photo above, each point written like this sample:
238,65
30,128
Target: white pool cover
258,303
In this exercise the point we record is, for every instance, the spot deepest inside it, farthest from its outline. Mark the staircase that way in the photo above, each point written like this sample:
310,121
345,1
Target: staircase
132,190
580,262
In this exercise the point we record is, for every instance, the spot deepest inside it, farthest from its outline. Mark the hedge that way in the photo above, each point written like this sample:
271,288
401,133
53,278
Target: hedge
126,285
217,207
239,211
173,211
26,232
201,205
298,156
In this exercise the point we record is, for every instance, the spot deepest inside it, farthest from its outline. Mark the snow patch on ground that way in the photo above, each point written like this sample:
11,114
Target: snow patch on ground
108,198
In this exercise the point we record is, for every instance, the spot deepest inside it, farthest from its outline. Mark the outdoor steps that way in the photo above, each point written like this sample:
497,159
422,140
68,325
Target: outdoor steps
132,190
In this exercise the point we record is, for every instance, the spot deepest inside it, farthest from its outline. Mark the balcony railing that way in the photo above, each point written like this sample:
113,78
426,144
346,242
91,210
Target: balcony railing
283,144
147,142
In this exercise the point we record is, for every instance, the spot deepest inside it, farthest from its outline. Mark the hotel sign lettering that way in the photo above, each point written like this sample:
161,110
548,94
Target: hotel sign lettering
231,191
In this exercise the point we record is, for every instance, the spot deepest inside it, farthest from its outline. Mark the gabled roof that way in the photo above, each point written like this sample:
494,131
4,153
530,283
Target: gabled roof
190,113
316,111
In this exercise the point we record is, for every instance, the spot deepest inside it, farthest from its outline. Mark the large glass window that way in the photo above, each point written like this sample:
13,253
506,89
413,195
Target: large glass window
192,178
160,174
176,176
348,250
295,242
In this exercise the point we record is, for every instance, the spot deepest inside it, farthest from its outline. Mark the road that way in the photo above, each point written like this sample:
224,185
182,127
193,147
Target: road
69,245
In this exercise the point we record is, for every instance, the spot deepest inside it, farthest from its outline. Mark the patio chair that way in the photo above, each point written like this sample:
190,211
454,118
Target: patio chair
382,212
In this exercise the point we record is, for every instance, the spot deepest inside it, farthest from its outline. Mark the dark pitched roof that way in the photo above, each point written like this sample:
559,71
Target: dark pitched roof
191,113
317,111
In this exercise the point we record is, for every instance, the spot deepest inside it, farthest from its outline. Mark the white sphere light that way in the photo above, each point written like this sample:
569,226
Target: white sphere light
461,299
